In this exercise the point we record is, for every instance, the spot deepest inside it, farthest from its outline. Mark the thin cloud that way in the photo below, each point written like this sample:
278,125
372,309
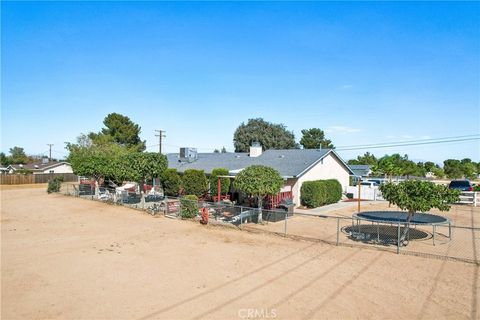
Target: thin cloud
346,87
341,129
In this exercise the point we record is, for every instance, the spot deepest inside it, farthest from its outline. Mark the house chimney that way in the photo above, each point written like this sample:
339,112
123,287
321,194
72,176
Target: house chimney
255,150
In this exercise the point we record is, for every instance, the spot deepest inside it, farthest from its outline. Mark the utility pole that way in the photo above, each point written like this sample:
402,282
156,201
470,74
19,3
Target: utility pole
160,135
50,152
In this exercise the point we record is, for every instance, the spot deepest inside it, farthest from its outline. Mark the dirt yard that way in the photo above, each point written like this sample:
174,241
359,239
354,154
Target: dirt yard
68,258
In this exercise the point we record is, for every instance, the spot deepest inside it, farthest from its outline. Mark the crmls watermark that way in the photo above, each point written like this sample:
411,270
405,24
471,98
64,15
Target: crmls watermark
254,313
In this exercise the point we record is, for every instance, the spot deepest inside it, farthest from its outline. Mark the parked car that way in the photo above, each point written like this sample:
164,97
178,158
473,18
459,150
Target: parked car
462,185
369,184
377,182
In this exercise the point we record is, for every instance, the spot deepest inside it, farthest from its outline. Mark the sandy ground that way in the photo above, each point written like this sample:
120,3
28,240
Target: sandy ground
68,258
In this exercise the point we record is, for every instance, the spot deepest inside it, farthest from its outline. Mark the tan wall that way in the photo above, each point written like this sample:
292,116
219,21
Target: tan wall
329,168
64,168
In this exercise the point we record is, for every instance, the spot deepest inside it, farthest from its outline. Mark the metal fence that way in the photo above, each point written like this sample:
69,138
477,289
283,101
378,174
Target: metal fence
442,241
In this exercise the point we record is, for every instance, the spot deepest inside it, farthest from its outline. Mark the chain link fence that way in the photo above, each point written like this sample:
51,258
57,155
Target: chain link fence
442,241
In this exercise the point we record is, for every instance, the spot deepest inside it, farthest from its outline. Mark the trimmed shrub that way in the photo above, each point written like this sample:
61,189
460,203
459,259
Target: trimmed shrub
313,194
476,188
320,192
225,182
188,206
334,191
195,182
54,184
171,182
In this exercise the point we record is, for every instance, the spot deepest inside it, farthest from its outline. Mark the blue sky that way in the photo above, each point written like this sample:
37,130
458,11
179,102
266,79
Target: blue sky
364,72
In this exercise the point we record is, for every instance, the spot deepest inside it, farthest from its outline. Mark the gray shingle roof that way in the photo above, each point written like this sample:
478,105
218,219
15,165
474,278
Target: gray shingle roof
289,163
360,169
38,165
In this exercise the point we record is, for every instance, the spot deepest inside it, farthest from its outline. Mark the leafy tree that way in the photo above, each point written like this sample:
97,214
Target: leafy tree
195,182
139,166
4,160
259,181
223,150
101,159
389,166
438,172
225,182
269,135
216,151
314,138
367,159
453,168
171,182
396,165
418,196
468,168
119,129
91,160
18,156
429,166
410,168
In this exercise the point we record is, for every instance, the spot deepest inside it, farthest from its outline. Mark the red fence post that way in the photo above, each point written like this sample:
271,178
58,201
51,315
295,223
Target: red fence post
219,186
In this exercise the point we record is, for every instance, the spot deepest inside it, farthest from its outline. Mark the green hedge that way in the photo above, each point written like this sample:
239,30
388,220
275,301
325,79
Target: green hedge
171,182
225,182
188,207
312,194
334,191
195,182
320,192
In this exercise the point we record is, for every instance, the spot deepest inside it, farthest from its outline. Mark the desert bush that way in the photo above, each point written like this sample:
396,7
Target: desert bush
54,184
188,206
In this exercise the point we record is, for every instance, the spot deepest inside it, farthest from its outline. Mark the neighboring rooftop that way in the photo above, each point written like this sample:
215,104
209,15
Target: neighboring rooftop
360,170
37,165
289,163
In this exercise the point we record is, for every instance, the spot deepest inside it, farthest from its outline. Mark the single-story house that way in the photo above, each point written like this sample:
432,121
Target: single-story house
43,167
294,165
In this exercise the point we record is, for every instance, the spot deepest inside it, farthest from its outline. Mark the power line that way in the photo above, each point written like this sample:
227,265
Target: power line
432,141
410,141
406,144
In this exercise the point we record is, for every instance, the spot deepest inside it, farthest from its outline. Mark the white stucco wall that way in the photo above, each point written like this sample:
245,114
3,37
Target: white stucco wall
63,168
329,168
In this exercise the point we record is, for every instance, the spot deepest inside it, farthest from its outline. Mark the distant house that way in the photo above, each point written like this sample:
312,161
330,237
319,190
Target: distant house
42,167
361,170
294,165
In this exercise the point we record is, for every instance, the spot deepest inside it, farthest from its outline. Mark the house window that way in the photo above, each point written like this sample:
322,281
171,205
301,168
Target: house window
51,171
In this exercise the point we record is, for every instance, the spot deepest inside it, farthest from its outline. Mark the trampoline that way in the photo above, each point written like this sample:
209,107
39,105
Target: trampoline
401,217
396,219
